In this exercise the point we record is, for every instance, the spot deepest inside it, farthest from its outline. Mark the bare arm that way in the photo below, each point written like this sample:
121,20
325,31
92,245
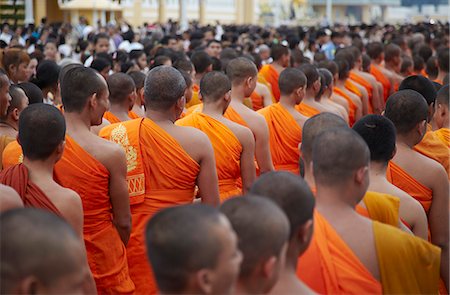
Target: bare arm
438,219
118,191
267,95
72,210
248,170
420,227
365,101
262,148
377,103
207,178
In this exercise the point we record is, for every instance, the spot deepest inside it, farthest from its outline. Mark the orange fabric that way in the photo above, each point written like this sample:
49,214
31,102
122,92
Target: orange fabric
401,179
380,207
352,87
439,81
4,142
306,110
444,135
133,115
195,96
232,115
195,109
424,73
382,79
170,177
17,177
263,80
284,137
111,118
363,82
12,155
81,172
227,151
329,266
271,75
257,101
351,105
432,147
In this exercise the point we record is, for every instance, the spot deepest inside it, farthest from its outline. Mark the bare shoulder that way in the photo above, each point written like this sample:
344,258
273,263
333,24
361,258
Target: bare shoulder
241,132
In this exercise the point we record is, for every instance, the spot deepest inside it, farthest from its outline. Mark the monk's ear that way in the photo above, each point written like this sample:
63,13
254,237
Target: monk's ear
360,174
60,147
92,100
269,267
181,102
29,285
16,114
305,232
204,281
210,68
394,152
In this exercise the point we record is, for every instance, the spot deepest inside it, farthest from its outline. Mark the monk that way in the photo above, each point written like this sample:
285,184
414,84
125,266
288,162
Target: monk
441,116
213,267
375,50
281,58
202,64
379,134
384,209
9,122
233,144
430,145
326,91
443,65
349,253
9,199
242,74
5,100
422,178
164,163
42,131
262,95
294,197
138,108
122,96
331,66
393,63
311,104
189,92
42,254
96,170
285,122
263,241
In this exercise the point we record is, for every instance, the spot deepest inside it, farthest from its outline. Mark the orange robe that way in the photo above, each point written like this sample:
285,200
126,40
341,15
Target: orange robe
132,115
106,253
380,207
257,101
263,80
4,142
227,151
232,115
351,105
382,79
401,179
111,117
432,147
444,135
329,266
17,177
195,96
306,110
170,176
12,155
271,75
284,137
363,82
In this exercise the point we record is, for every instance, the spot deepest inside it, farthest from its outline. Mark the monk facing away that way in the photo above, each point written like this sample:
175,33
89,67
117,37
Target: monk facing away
243,76
96,169
263,241
379,134
393,63
206,263
42,254
424,179
281,57
285,122
441,115
165,163
350,253
202,64
138,110
375,50
233,144
10,121
293,196
122,96
326,92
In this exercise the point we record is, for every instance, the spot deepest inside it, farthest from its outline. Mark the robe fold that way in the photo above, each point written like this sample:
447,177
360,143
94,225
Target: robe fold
284,138
234,116
380,207
81,172
271,75
170,177
306,110
444,135
133,115
227,151
351,105
382,79
111,118
257,101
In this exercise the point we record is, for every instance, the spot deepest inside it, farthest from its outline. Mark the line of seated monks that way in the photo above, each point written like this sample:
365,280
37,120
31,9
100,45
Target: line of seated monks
315,193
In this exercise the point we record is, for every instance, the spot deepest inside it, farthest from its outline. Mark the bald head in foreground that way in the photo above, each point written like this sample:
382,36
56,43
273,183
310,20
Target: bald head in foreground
193,250
262,241
42,254
292,194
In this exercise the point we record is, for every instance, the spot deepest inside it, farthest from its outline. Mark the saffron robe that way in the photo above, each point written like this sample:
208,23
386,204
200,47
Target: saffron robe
380,207
111,117
351,105
257,101
444,135
306,110
382,79
4,142
363,82
271,75
12,155
195,96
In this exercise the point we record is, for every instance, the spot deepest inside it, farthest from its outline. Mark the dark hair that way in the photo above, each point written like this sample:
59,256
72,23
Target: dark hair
277,51
311,73
291,79
374,49
100,36
214,85
138,78
47,74
120,85
33,92
422,85
201,61
99,64
443,59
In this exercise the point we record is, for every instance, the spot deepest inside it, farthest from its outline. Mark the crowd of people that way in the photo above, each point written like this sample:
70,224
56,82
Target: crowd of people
224,159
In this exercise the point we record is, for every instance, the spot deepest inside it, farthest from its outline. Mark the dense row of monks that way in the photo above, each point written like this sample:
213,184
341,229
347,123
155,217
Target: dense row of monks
318,178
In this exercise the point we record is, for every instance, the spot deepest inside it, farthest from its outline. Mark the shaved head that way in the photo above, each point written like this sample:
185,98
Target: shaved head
290,80
290,192
311,72
443,95
19,100
260,237
39,246
391,51
314,126
164,86
213,86
374,49
239,69
120,86
422,85
277,51
337,154
406,109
